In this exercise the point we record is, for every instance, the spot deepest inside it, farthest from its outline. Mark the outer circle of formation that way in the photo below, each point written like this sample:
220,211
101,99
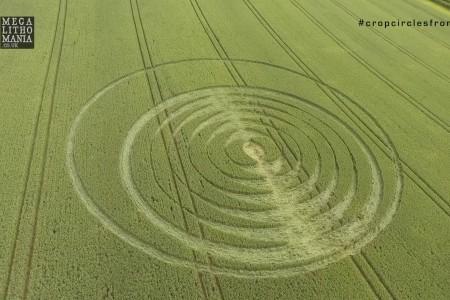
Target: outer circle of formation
191,241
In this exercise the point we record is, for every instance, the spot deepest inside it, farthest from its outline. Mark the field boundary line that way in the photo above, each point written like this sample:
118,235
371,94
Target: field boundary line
405,95
416,6
47,81
394,44
298,61
441,3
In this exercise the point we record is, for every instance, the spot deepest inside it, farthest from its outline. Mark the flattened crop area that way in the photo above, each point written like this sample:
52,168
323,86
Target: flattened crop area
243,149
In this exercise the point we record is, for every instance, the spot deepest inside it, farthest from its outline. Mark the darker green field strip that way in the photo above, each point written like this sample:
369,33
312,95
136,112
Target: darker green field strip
17,282
444,3
420,7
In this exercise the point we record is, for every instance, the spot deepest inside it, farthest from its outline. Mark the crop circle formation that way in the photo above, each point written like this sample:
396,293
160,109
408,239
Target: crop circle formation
260,181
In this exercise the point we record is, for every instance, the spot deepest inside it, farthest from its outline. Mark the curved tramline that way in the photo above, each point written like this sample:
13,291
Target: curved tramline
277,207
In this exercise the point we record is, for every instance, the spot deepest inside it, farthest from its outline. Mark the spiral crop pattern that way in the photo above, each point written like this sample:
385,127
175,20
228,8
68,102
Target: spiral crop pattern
279,184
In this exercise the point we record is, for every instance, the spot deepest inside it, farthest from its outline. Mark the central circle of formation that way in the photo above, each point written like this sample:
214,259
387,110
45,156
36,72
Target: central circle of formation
267,183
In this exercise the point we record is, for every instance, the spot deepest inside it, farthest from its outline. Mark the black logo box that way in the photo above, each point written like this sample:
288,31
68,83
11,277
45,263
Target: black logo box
17,32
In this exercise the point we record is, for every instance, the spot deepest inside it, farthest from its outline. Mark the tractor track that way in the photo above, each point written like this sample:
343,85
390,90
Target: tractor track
48,93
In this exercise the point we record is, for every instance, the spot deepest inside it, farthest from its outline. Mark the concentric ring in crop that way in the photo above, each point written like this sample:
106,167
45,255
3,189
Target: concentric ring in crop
266,182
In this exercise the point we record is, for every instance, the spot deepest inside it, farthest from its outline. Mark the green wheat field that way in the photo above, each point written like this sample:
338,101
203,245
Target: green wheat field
238,149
